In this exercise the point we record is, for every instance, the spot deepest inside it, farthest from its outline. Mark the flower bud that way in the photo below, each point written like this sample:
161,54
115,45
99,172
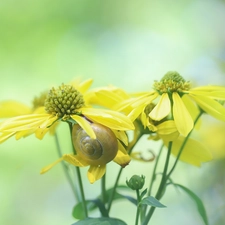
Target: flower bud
136,182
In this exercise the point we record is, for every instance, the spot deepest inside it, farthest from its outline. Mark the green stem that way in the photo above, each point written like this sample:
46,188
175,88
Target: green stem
65,168
80,183
137,136
103,189
183,145
138,207
154,171
162,185
144,208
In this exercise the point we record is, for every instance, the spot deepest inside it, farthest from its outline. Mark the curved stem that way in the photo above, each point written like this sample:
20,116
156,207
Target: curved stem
65,168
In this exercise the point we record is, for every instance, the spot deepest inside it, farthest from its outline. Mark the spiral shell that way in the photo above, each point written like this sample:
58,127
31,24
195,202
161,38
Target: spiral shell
97,151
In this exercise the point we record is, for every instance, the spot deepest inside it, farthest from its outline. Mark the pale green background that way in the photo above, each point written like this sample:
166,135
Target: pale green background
126,43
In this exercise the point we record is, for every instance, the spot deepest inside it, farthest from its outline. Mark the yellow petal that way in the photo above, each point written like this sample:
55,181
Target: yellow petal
182,118
13,108
210,106
121,135
192,108
193,153
75,160
85,125
96,172
136,112
122,159
6,135
85,85
162,109
167,130
113,120
47,168
220,95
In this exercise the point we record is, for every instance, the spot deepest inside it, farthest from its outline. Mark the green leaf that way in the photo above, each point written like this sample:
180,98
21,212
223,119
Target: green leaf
100,221
198,201
152,202
143,193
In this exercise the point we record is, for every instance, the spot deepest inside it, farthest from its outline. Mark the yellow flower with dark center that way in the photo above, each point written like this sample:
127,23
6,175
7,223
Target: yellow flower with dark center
177,101
67,104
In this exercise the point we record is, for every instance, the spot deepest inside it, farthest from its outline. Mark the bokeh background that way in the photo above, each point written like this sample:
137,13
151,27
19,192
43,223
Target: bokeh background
125,43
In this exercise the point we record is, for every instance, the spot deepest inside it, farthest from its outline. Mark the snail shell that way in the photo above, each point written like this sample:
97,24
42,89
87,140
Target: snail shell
97,151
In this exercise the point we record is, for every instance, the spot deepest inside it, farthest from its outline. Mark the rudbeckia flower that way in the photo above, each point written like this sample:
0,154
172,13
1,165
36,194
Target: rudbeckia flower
177,101
65,104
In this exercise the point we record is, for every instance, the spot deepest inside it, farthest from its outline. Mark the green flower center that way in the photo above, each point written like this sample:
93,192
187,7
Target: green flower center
64,101
172,82
39,101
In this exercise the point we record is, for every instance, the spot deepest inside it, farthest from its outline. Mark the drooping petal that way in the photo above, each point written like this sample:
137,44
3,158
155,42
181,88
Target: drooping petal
168,130
96,173
192,108
6,135
121,135
162,109
210,106
219,94
13,108
193,153
85,125
182,118
75,160
122,159
113,120
47,168
134,113
85,85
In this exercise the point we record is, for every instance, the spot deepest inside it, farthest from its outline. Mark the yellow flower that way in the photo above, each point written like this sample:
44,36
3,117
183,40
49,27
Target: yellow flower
96,153
177,101
66,104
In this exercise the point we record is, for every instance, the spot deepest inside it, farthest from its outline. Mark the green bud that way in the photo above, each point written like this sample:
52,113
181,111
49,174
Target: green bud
136,182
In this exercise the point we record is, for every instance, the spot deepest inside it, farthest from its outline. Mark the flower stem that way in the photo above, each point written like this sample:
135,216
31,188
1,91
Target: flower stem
162,185
80,183
154,171
182,146
82,191
65,168
137,135
138,207
103,189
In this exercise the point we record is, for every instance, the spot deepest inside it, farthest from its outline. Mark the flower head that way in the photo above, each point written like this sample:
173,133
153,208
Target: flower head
67,104
177,101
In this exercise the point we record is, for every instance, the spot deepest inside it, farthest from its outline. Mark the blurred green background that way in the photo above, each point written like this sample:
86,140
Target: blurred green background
125,43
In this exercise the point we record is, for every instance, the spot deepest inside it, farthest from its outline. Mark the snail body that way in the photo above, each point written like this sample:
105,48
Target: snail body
97,151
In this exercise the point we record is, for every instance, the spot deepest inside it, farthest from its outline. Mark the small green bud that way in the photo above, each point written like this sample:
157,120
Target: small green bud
136,182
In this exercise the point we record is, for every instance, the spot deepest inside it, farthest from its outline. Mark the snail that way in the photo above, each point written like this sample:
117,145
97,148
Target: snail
97,151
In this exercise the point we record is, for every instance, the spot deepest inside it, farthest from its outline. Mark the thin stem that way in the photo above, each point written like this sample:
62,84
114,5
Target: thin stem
144,208
65,168
154,171
138,207
183,145
137,136
82,191
103,189
161,189
80,183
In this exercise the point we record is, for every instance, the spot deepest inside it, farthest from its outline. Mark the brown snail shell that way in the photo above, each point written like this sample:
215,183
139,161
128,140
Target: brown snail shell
97,151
